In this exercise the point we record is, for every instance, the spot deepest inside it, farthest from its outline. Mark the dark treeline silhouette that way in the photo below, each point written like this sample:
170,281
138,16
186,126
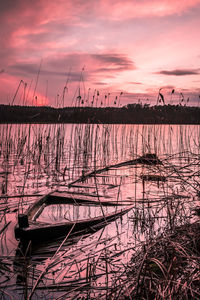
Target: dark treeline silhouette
129,114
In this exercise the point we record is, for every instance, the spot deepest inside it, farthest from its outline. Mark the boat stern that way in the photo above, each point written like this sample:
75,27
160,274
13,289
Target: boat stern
22,224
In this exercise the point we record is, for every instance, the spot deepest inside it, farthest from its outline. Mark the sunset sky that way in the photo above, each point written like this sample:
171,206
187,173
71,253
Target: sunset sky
132,47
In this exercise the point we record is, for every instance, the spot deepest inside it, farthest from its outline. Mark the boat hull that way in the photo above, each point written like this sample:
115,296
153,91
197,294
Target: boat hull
37,232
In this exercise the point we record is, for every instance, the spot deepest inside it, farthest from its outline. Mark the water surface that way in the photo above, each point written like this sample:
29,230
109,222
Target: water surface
38,159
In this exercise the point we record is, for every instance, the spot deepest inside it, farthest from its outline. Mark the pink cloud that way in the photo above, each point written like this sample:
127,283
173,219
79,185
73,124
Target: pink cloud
107,37
119,10
145,8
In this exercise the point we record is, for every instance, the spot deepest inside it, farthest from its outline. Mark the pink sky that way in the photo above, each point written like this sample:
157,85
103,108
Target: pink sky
130,46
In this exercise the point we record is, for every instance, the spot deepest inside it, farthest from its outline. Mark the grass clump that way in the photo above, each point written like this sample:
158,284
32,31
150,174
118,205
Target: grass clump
167,268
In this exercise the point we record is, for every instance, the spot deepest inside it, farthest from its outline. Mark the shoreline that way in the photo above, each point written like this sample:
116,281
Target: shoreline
130,114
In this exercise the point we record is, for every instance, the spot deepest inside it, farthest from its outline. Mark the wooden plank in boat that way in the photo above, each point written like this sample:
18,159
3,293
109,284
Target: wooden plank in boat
80,199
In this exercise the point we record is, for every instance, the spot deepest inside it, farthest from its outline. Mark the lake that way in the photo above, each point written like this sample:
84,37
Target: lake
37,159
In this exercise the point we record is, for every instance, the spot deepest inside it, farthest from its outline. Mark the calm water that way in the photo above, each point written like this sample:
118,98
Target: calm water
38,159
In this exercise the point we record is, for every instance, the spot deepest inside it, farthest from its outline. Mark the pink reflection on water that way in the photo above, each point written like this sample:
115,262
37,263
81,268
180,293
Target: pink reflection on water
42,158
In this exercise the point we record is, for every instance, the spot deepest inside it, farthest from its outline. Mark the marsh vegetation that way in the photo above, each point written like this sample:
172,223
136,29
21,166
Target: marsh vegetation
155,245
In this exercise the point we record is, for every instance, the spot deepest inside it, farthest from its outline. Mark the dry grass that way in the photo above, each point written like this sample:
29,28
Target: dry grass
166,268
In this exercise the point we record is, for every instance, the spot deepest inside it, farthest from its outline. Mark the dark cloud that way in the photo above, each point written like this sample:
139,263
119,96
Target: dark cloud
99,83
63,61
2,71
114,61
168,87
32,69
110,69
24,8
179,72
23,69
92,64
9,6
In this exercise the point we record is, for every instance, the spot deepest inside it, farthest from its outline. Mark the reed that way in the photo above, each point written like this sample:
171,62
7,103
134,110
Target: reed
127,254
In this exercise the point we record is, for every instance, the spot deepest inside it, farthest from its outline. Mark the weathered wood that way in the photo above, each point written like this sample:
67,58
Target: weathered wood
23,221
38,231
146,159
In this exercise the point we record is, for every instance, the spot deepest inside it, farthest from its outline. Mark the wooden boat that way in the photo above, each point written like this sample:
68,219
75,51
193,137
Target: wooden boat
29,228
82,191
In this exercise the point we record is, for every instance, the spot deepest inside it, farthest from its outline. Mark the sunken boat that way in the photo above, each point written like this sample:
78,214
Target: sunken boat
31,228
83,192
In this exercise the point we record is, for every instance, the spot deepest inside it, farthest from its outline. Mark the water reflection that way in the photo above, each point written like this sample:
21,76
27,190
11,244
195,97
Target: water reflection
39,159
56,213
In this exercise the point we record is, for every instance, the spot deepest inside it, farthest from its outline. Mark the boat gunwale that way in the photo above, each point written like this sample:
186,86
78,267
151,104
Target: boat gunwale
36,226
78,222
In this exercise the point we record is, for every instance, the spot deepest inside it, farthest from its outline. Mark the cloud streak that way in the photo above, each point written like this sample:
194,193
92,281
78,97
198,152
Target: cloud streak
146,8
93,63
179,72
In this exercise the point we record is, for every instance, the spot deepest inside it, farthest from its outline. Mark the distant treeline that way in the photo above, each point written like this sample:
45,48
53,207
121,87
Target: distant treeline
129,114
